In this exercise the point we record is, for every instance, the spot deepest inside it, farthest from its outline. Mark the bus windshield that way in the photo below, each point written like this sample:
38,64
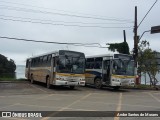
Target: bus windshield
123,67
71,62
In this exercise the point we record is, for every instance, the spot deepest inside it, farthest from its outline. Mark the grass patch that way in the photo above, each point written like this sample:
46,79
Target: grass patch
12,79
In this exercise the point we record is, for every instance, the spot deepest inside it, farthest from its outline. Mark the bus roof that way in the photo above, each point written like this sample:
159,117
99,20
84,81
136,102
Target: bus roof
101,55
106,55
53,52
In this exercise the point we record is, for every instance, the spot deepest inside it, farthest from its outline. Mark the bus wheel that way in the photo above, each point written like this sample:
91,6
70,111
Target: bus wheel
116,87
71,87
32,80
98,83
48,83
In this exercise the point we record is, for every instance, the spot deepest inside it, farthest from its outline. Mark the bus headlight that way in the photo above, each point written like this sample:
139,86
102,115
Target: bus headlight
116,80
59,78
82,79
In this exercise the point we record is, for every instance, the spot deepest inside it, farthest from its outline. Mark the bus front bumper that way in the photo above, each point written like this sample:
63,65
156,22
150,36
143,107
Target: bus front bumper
122,84
70,83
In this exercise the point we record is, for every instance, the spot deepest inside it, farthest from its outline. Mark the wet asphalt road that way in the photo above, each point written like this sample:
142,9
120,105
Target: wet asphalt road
24,96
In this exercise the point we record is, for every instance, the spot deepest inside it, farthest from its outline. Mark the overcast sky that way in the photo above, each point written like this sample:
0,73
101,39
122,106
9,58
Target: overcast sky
81,21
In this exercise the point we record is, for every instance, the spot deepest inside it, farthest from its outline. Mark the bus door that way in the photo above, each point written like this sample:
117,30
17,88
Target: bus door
106,75
53,69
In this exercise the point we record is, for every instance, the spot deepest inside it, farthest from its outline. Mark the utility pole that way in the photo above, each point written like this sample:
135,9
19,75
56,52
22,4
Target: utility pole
135,40
124,34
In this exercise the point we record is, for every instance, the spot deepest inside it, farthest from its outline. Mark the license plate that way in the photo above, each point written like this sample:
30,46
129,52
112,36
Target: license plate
81,82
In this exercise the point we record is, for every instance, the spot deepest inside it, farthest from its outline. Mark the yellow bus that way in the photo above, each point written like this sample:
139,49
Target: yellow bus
60,68
113,70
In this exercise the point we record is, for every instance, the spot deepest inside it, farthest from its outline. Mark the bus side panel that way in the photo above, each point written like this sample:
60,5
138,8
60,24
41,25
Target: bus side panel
53,70
40,73
26,73
91,74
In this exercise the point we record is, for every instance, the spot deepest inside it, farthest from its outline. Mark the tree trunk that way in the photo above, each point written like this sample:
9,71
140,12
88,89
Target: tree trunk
145,79
151,83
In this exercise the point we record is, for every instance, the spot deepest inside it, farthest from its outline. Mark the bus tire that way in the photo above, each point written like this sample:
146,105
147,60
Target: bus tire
48,85
71,87
32,79
98,83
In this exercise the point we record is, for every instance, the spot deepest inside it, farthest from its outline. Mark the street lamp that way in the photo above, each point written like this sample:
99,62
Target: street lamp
154,29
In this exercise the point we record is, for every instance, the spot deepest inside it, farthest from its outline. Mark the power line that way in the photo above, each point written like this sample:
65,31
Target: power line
68,11
74,44
147,13
21,39
61,21
30,21
61,14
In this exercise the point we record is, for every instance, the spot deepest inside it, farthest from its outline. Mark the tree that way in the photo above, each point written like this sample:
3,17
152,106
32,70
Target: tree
147,62
6,66
119,47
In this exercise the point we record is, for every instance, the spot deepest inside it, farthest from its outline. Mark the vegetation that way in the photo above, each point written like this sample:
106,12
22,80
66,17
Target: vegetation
12,79
146,59
147,62
119,47
6,66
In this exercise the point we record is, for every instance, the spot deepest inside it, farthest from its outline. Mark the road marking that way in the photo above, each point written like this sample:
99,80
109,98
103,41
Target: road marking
81,109
82,98
37,88
39,106
154,97
63,108
104,94
45,96
119,106
156,93
119,102
64,94
122,104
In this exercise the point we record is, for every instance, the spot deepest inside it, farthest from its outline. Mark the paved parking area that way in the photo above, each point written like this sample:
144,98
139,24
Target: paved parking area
23,96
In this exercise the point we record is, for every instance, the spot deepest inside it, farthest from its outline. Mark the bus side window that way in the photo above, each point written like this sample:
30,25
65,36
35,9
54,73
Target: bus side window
106,64
90,63
87,65
98,63
27,63
44,61
41,60
44,58
38,62
33,63
48,60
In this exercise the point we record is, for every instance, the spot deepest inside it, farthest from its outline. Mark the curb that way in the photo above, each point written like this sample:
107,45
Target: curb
157,88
